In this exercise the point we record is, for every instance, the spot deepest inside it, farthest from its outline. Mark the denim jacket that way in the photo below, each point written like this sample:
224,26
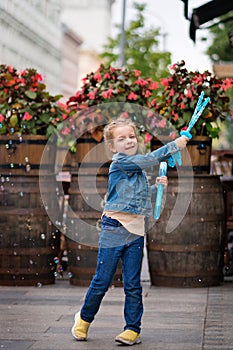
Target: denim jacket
128,188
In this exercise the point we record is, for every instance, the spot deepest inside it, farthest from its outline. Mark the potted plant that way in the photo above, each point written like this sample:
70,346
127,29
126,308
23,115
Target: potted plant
27,112
176,103
29,115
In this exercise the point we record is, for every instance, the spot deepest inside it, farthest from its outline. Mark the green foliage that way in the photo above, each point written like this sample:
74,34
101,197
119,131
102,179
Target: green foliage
141,48
220,49
26,107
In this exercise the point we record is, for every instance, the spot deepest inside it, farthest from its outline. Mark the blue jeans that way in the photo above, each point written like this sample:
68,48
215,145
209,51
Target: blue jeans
117,243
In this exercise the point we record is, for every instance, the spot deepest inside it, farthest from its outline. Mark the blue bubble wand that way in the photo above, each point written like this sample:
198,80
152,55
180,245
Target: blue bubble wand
160,189
177,156
196,114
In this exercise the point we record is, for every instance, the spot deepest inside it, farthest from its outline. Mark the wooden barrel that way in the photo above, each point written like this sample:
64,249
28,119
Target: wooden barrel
90,155
192,255
198,150
86,194
29,241
82,260
23,155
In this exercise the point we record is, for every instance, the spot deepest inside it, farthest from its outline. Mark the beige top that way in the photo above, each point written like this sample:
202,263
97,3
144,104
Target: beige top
132,222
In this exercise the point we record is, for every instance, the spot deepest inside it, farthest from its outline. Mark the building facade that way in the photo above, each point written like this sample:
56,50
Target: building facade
31,37
59,38
91,20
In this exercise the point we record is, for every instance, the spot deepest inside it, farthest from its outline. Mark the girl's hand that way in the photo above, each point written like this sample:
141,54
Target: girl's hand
181,142
161,180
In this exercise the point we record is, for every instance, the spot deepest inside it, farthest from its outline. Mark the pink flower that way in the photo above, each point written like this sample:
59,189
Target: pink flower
62,105
97,77
23,72
27,116
107,76
112,69
227,84
148,93
141,82
125,115
107,94
188,93
182,106
153,102
172,66
66,131
232,115
1,118
153,85
137,72
164,82
10,69
91,95
39,77
175,116
132,96
147,138
162,123
172,92
64,116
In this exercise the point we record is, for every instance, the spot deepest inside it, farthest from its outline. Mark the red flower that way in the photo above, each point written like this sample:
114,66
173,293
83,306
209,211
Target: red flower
132,96
227,84
172,92
153,85
91,95
125,115
175,116
188,93
164,82
147,138
107,76
162,123
137,72
107,94
27,116
148,93
98,77
141,82
1,118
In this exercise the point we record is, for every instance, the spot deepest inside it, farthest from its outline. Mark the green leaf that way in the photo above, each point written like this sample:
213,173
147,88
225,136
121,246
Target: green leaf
31,94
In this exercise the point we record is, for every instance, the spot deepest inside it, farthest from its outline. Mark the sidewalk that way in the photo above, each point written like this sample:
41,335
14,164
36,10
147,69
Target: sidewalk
40,318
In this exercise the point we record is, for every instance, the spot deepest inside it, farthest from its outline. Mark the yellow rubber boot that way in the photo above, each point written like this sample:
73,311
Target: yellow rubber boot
128,337
80,328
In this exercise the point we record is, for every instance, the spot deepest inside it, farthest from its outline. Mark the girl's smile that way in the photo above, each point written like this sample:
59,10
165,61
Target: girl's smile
124,140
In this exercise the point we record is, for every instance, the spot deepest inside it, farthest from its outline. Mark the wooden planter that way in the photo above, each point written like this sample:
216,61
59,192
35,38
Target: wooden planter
199,150
192,255
23,155
90,155
86,193
28,239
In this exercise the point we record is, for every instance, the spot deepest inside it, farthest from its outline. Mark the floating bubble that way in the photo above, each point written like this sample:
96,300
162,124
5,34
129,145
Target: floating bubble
42,236
56,260
28,168
39,285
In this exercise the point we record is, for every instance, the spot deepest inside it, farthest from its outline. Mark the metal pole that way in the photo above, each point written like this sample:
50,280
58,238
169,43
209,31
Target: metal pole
122,43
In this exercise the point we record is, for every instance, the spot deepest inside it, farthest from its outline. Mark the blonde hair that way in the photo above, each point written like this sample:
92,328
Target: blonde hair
109,128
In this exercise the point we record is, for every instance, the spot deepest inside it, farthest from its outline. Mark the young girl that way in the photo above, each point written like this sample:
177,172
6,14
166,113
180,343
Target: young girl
123,228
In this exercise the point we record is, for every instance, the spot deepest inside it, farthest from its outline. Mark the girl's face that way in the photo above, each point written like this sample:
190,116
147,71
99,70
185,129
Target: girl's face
124,140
